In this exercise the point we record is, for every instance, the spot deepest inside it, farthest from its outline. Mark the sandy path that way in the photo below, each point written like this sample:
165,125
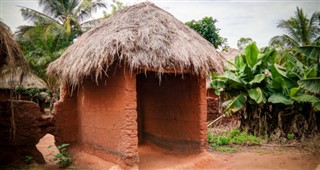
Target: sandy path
250,159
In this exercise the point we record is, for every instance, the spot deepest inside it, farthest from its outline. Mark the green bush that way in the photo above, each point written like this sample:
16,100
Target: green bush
234,137
63,158
290,136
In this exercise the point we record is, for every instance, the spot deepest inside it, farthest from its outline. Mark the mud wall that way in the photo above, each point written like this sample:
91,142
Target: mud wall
65,112
18,140
172,114
107,116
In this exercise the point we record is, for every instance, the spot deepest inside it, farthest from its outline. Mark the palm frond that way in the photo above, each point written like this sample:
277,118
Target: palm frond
303,22
314,26
35,16
54,8
87,7
286,40
91,23
290,26
23,30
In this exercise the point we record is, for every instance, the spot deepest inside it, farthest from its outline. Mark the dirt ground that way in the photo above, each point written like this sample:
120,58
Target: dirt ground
248,158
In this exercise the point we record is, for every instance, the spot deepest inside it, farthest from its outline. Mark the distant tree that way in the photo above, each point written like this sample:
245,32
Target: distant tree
54,29
243,42
300,30
207,29
115,6
70,17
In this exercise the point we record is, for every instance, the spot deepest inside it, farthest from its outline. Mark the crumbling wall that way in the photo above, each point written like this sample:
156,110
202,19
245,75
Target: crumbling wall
107,116
174,112
19,139
65,113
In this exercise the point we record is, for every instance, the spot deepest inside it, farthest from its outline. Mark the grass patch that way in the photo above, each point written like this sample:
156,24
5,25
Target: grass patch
234,137
225,149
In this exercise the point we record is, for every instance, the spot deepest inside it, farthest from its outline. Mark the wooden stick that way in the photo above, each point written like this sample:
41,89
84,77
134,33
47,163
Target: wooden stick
215,120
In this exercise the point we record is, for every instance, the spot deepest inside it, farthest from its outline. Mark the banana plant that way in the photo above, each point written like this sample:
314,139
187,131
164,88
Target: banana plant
246,80
301,83
254,78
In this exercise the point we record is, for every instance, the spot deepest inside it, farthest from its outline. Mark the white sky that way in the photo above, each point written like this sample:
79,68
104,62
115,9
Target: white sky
256,19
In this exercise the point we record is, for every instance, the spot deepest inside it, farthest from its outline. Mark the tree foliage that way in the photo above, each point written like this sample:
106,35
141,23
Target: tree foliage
300,30
61,16
207,29
243,42
53,30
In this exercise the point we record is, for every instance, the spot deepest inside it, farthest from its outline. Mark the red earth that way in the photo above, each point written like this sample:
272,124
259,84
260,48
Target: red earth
257,158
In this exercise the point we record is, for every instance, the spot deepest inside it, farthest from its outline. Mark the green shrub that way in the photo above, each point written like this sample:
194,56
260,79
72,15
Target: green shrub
290,136
28,159
234,137
63,158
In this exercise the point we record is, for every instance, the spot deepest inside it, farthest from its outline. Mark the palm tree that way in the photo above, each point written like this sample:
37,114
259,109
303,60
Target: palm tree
52,31
300,30
70,17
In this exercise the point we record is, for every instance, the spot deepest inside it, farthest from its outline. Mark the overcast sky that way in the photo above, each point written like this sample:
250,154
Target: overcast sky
256,19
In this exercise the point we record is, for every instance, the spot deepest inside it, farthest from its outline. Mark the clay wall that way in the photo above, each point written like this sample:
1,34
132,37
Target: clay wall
172,114
107,116
65,112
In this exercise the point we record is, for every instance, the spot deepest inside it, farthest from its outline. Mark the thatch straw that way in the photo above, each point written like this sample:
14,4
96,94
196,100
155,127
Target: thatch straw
142,37
10,52
18,77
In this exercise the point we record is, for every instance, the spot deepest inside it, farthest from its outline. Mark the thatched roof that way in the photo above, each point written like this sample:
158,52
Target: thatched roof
18,77
142,37
10,52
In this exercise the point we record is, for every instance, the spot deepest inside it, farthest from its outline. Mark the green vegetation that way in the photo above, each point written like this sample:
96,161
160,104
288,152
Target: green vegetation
207,29
54,29
243,42
234,137
63,158
290,136
225,149
277,94
263,93
300,30
28,159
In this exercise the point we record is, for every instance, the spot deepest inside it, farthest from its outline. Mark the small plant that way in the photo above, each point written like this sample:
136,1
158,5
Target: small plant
234,137
290,136
220,140
28,159
63,157
210,137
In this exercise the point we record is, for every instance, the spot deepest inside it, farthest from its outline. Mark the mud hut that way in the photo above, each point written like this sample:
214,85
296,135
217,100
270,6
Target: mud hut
139,77
11,79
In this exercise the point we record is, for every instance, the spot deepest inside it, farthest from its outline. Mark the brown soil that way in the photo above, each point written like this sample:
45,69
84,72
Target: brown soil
253,158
